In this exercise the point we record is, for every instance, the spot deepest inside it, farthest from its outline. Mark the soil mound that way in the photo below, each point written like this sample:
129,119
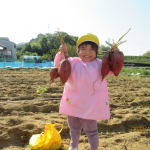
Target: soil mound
24,111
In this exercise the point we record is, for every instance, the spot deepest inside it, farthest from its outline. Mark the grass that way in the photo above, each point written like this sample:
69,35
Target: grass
42,89
142,70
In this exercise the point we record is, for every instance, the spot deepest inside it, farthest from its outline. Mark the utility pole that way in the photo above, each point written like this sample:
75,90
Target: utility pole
109,39
48,28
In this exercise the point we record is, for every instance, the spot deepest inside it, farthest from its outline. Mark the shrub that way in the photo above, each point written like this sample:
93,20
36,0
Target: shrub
145,72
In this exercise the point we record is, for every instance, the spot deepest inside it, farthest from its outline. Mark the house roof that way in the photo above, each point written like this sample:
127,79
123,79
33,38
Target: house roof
4,38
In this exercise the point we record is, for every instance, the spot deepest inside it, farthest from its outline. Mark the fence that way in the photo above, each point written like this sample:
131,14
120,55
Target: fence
13,63
135,64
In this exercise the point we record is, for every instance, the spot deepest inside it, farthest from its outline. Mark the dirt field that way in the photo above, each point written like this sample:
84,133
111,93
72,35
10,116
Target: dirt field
19,119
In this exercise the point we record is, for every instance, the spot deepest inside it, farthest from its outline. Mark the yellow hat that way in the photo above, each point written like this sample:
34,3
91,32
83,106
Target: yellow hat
88,37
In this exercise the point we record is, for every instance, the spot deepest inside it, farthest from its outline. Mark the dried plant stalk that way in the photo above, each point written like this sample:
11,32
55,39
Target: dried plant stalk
118,43
61,38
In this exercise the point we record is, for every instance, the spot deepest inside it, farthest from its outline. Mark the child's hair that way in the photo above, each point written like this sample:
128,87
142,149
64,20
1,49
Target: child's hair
94,46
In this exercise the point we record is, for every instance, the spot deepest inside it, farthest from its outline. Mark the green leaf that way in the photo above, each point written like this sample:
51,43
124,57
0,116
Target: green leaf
37,91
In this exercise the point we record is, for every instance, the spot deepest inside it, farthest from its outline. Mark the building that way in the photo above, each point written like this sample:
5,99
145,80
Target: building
7,48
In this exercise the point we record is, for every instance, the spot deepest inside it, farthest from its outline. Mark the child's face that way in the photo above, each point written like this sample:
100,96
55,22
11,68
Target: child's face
86,53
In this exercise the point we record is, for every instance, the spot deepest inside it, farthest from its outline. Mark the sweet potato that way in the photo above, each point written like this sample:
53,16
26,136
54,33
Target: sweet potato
117,60
105,65
53,74
64,70
113,60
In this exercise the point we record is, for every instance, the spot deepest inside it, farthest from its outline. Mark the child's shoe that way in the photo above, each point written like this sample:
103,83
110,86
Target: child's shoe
70,148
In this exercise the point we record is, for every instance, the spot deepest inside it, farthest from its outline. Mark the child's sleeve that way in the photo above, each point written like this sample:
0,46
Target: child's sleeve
57,59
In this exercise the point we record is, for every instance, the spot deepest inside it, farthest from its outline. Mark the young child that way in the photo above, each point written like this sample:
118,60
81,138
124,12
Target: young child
78,102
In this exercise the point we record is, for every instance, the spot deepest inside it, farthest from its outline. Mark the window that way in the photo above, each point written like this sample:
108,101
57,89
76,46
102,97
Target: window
14,46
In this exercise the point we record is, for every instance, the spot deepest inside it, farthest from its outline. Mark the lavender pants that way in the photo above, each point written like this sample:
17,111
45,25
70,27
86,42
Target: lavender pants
90,128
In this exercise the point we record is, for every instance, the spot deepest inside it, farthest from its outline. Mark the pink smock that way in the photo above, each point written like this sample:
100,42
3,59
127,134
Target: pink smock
79,99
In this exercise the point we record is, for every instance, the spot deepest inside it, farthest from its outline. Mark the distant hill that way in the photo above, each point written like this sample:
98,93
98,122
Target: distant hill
20,43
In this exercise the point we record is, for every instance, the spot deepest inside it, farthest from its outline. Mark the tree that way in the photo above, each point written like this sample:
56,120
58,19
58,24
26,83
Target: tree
46,57
27,53
36,48
34,54
26,48
72,52
43,43
49,44
37,38
51,53
103,49
18,54
20,47
147,53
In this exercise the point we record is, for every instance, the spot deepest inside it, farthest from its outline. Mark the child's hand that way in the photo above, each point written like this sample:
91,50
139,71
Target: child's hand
63,48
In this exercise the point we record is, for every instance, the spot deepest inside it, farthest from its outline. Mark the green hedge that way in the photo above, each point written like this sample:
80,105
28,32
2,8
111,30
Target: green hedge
138,59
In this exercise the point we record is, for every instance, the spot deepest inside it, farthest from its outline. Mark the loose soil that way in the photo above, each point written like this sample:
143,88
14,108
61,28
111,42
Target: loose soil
129,98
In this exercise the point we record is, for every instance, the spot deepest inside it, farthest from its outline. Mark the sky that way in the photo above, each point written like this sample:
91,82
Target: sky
22,20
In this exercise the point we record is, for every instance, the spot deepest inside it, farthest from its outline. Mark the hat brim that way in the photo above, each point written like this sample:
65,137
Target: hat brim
87,37
90,41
